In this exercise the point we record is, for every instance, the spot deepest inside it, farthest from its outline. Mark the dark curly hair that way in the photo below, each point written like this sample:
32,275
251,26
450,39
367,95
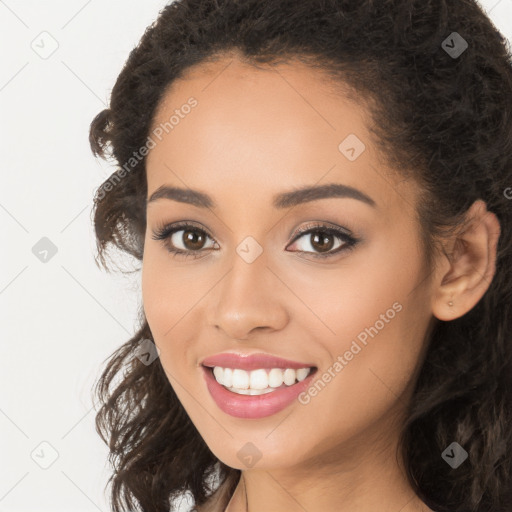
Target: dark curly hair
445,120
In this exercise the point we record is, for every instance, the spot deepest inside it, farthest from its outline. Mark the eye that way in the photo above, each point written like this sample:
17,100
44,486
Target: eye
188,240
321,237
182,239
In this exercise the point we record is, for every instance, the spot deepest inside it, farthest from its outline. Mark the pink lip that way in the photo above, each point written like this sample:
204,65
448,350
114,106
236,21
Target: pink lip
252,362
254,406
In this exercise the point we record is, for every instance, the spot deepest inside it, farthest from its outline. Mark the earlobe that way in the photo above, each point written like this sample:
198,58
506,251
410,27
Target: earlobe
471,266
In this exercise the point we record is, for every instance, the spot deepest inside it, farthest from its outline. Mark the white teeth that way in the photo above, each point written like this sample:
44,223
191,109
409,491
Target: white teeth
258,379
240,379
257,382
289,376
302,373
227,376
251,391
219,373
275,377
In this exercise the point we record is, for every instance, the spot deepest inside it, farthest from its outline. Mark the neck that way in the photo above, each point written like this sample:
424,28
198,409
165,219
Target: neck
359,478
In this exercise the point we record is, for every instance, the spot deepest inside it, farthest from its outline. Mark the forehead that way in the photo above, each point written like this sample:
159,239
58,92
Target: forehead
267,128
229,91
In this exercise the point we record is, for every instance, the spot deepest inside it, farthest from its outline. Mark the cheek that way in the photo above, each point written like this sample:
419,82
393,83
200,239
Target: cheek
366,290
377,315
164,286
163,294
173,296
154,291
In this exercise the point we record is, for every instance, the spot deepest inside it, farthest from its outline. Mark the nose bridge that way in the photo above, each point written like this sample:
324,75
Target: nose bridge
246,297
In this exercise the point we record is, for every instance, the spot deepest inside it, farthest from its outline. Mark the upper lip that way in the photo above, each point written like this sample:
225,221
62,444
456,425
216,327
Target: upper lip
252,361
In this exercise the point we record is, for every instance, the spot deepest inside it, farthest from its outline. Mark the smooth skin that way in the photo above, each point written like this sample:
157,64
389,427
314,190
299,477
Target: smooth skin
256,133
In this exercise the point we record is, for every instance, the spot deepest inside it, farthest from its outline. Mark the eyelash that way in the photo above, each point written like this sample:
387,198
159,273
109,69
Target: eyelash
164,233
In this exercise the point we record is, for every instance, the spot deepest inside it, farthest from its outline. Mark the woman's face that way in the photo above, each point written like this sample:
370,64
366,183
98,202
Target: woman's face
355,304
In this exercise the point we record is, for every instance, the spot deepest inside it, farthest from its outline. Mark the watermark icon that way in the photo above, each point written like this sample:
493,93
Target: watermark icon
454,455
249,249
351,147
146,352
343,360
508,193
249,454
44,455
454,45
44,250
142,152
45,45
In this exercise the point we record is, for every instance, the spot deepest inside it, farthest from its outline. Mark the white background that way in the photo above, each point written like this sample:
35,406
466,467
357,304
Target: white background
63,318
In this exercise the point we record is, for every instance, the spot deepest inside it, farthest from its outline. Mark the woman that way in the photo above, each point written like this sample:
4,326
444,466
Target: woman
319,193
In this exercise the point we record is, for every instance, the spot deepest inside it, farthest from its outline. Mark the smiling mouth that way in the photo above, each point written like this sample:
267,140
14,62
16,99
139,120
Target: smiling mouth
259,381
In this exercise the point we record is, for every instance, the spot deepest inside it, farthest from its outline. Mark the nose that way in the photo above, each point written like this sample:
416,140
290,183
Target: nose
248,298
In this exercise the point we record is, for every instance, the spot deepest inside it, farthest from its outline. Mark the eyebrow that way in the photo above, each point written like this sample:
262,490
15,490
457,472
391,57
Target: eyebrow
280,201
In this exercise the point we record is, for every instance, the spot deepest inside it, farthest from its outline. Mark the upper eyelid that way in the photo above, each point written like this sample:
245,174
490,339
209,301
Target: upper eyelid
322,224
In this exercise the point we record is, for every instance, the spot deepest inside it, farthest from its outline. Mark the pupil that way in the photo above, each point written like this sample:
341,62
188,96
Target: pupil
324,239
193,238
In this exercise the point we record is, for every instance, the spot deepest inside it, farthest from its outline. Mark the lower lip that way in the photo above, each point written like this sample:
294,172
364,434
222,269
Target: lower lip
254,406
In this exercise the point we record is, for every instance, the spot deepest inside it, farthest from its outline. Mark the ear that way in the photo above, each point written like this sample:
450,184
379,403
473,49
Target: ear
465,273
